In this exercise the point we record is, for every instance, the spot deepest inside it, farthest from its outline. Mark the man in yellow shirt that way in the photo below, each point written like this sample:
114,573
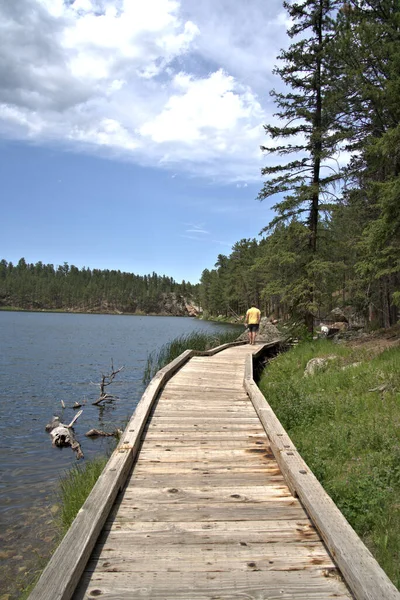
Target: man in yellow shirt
252,320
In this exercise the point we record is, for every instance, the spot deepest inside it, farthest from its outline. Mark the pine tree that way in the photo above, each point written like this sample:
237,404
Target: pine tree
310,129
370,52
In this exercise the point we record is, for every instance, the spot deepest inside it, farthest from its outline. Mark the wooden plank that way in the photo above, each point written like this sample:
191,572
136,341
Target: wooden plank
207,478
199,402
317,584
361,571
183,468
205,388
196,415
128,558
228,419
216,456
281,509
174,495
216,444
257,437
198,532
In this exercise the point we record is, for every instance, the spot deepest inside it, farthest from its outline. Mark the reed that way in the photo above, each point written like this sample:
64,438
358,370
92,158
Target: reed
345,422
193,341
75,486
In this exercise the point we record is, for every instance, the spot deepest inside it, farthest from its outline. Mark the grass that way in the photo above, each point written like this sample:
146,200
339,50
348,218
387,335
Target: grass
348,434
75,487
192,341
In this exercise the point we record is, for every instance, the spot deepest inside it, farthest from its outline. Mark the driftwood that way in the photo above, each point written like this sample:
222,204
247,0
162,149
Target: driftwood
63,435
106,379
99,432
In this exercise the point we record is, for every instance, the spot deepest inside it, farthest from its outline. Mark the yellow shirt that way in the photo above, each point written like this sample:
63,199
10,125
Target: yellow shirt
253,316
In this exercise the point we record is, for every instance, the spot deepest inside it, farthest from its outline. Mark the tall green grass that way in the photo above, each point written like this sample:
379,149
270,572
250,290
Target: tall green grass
348,434
192,341
75,486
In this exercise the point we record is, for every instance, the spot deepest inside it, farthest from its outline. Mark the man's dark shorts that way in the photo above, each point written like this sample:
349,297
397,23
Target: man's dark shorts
254,328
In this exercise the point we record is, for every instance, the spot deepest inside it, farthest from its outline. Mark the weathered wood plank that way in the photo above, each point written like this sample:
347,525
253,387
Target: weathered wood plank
281,509
204,468
318,584
176,495
198,410
237,443
206,478
198,532
201,454
197,437
128,558
250,425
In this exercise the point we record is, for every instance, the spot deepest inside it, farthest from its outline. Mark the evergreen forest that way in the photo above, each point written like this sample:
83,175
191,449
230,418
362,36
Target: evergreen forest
335,174
67,288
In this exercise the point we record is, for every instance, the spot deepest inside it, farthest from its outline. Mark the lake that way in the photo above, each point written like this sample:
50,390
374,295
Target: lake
46,358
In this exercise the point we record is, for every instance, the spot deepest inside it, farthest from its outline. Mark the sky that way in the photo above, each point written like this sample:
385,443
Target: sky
130,130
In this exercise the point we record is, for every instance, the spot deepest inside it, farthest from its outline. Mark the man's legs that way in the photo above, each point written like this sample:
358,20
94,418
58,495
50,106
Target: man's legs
249,334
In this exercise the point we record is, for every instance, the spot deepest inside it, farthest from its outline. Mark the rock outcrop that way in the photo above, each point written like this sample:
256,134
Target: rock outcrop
317,364
267,332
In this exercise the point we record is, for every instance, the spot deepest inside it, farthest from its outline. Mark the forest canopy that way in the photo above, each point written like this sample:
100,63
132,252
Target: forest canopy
40,286
335,239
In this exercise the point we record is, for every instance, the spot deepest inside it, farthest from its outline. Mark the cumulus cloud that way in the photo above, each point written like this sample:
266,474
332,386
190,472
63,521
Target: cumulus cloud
157,82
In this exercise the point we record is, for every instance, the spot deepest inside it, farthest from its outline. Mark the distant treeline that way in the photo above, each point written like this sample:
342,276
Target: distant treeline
65,287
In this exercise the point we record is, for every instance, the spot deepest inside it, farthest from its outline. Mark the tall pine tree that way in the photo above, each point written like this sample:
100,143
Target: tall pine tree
309,132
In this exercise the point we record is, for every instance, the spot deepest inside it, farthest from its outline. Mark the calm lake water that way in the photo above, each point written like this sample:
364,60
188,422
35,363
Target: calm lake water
46,358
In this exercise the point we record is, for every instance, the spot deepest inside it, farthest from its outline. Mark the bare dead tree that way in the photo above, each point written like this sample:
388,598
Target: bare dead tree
106,380
63,435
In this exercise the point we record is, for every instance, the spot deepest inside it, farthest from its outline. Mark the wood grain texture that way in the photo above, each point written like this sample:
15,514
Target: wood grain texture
317,584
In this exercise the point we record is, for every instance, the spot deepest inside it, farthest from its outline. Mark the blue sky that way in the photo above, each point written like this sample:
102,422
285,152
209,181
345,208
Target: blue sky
130,130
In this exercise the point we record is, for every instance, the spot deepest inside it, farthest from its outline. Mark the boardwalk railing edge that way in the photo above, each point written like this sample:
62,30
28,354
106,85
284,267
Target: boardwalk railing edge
361,572
64,570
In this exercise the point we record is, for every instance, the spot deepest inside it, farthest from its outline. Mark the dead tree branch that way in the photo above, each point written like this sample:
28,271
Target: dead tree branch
63,435
106,380
99,432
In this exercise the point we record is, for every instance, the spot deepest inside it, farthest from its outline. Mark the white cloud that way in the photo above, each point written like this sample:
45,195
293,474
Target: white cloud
213,104
156,82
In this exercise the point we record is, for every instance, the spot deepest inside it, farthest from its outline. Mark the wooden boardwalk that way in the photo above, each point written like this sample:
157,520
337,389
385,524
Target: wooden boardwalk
207,498
205,512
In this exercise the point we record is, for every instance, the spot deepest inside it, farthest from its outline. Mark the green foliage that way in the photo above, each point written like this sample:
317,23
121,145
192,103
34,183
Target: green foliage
41,287
192,341
75,487
335,237
309,131
348,434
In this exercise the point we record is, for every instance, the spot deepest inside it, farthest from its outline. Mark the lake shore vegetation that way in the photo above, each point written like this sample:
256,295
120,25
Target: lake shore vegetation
193,341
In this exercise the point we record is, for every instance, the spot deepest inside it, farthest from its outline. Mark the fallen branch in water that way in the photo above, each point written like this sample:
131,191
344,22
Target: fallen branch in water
63,435
99,432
